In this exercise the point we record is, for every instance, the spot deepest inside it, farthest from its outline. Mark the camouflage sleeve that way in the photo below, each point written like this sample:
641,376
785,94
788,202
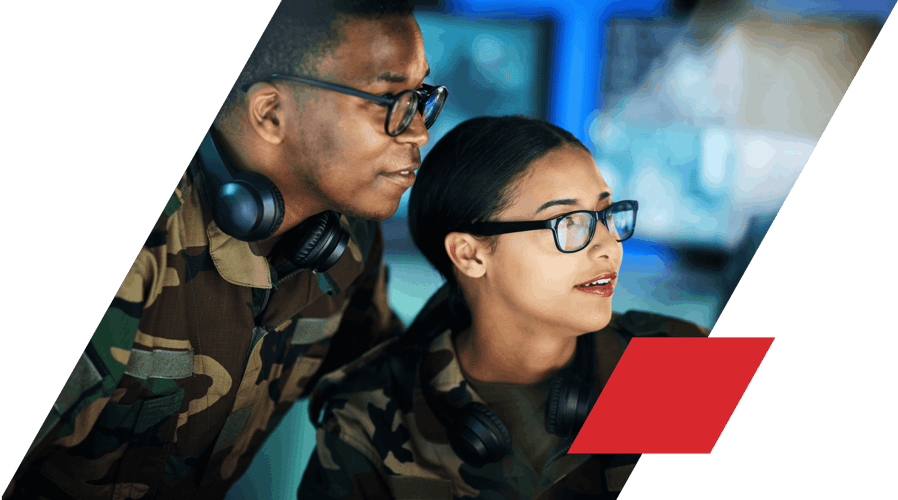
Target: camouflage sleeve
337,470
369,320
98,371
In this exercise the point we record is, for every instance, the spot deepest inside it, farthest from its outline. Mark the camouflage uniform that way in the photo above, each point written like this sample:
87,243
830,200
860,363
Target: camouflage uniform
201,353
379,438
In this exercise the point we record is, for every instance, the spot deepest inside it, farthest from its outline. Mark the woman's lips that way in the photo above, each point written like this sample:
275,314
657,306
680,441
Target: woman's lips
602,285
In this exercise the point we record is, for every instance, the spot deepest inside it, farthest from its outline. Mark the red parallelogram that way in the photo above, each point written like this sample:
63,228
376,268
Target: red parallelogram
671,395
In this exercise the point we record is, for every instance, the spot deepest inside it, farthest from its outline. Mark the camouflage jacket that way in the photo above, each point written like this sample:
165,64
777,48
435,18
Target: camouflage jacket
380,439
200,354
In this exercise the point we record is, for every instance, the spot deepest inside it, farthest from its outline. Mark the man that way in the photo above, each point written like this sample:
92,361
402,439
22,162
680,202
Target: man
215,332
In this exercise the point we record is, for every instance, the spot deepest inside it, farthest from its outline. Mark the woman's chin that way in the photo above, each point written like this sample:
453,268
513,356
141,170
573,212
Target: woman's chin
597,320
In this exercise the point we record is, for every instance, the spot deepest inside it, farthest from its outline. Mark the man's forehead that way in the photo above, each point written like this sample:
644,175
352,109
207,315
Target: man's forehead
385,49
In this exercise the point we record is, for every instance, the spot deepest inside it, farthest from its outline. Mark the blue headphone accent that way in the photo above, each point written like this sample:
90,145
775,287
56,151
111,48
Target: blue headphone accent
247,206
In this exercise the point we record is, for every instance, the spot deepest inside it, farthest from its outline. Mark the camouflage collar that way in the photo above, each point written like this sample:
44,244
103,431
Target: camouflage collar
235,260
446,377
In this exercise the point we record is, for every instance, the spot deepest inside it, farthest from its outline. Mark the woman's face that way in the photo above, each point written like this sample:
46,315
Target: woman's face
541,285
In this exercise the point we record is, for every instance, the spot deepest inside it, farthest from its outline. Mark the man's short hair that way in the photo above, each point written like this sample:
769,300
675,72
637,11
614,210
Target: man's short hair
301,33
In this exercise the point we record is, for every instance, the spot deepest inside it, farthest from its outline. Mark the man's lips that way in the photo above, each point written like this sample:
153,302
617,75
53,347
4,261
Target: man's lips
405,178
602,279
409,169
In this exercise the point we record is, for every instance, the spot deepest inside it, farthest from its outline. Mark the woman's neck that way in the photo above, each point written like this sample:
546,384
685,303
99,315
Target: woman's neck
498,350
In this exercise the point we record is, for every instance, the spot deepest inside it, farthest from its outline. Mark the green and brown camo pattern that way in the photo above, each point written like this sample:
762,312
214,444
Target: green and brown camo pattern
379,439
188,373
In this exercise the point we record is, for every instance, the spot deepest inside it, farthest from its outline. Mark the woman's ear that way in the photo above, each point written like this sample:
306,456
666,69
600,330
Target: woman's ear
467,253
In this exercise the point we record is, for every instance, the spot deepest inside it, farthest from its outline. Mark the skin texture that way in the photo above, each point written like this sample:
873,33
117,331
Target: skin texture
526,309
325,150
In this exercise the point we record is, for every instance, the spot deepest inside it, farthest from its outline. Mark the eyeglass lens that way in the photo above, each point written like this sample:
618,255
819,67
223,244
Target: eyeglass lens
403,112
405,107
572,232
432,108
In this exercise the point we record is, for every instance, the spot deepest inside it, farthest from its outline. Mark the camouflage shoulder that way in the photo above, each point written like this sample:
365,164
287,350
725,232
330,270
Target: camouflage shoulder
185,183
370,408
377,367
159,235
647,324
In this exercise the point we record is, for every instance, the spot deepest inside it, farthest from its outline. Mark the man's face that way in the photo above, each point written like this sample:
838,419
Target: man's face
337,150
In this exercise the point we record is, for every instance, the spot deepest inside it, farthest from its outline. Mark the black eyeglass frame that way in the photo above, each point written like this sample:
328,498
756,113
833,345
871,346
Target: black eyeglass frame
497,228
422,95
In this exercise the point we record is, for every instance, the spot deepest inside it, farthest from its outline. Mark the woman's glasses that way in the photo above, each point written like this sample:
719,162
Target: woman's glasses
401,108
574,230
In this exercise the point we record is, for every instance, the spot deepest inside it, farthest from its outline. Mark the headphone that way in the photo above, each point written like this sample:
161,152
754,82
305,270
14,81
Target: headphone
247,206
477,434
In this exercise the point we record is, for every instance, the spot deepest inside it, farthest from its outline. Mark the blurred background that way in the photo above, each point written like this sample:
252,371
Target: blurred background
703,111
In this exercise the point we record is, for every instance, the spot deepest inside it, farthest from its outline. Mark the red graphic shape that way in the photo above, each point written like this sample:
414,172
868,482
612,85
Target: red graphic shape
671,395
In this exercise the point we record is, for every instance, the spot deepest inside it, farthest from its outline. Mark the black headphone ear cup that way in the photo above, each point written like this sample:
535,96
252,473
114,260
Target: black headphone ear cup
569,403
272,204
586,399
479,436
306,236
249,207
278,217
245,205
552,405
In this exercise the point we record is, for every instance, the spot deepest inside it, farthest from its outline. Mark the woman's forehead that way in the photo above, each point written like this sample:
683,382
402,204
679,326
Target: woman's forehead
566,174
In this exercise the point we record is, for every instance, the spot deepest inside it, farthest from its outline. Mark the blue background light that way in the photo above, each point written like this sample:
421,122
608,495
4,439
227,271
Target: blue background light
704,130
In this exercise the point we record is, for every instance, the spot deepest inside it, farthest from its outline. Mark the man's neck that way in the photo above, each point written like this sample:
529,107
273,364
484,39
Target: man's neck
266,247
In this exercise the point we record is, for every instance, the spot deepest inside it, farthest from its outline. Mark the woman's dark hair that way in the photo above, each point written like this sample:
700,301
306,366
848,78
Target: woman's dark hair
468,174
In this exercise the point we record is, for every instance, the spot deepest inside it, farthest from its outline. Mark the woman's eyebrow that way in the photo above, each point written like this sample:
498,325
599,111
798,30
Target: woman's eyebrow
563,201
567,201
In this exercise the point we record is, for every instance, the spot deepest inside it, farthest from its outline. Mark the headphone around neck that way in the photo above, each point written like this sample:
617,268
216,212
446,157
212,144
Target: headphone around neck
477,434
248,206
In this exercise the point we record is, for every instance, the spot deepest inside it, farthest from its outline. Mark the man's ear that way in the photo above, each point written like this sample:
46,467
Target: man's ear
265,111
467,253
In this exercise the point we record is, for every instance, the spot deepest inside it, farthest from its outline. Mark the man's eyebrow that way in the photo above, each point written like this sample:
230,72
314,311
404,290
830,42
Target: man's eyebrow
389,76
567,201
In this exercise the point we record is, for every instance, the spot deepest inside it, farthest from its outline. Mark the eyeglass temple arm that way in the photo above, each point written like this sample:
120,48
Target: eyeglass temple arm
329,86
497,228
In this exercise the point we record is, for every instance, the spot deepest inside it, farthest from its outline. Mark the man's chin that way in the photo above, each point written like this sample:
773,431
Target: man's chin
372,213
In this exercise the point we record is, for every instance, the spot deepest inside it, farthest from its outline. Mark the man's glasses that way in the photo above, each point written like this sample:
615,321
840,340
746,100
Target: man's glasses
401,108
574,230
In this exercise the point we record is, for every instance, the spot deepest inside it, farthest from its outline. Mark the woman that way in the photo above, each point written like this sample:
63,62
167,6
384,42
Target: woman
484,394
